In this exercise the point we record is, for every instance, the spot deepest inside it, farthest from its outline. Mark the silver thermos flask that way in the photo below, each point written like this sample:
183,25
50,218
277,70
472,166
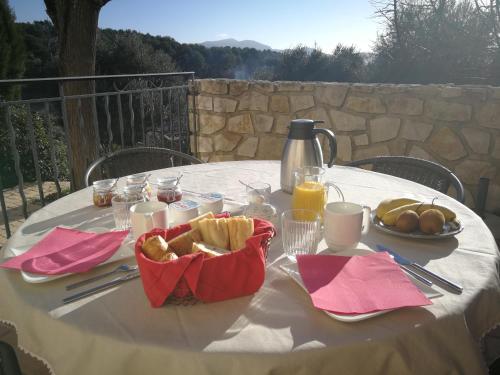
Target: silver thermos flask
302,148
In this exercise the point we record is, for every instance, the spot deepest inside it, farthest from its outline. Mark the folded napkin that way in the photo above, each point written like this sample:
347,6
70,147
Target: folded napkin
67,251
208,279
358,284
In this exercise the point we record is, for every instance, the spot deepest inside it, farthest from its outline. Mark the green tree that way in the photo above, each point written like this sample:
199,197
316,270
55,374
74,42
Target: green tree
12,52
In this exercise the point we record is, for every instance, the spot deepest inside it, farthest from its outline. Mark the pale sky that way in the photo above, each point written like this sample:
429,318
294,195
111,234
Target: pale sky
278,23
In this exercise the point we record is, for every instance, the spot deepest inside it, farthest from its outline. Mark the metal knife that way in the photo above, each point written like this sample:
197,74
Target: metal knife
98,288
407,262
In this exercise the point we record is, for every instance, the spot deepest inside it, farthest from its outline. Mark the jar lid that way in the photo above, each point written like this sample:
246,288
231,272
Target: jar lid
184,205
211,197
104,184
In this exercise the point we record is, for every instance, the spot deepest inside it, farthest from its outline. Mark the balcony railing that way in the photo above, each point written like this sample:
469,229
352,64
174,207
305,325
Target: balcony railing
124,110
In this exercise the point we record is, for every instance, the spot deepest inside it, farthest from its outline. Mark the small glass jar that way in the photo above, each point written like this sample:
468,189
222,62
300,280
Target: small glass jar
140,179
169,190
135,192
104,190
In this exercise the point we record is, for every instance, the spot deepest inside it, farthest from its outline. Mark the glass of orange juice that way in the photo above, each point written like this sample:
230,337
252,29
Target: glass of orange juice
310,192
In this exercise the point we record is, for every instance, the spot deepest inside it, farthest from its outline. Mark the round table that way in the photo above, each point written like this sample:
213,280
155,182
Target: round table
276,330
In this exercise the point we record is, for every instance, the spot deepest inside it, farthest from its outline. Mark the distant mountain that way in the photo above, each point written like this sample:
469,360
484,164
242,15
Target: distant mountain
236,43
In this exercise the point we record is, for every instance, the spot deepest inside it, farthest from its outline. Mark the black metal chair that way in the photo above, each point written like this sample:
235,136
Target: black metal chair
424,172
136,160
9,364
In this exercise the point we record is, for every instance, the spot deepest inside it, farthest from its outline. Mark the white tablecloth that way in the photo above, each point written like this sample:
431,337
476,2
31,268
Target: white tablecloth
277,330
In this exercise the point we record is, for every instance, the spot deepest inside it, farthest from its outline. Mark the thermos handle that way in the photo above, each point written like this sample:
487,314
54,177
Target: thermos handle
333,143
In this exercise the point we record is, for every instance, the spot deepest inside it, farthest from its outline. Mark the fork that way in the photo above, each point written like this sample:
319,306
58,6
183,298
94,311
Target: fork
120,268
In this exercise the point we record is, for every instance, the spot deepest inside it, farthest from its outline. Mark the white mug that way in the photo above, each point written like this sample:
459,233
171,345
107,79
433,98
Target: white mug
344,223
145,216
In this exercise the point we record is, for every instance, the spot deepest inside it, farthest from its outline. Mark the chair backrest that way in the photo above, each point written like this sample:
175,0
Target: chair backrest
425,172
136,160
9,365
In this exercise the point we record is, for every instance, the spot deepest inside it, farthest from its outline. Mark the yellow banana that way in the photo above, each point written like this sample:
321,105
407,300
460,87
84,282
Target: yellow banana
449,215
390,217
390,204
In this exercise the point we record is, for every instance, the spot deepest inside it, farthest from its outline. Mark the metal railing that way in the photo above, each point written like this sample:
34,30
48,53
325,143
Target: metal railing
124,111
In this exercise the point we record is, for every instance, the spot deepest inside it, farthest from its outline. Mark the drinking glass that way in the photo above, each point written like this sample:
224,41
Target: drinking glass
258,196
310,191
300,231
121,210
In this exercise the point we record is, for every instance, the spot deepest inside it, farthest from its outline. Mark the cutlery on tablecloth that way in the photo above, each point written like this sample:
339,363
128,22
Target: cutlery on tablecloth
120,268
99,288
407,262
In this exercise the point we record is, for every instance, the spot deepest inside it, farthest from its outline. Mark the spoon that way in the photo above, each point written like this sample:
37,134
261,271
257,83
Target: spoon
120,268
248,186
178,179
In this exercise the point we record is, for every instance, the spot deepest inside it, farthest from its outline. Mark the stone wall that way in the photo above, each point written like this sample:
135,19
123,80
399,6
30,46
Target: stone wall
457,126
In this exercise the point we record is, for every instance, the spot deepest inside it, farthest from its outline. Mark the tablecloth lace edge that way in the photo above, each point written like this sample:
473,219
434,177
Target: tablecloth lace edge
12,325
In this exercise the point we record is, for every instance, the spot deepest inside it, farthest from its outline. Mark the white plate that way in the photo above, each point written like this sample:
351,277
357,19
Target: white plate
125,251
292,270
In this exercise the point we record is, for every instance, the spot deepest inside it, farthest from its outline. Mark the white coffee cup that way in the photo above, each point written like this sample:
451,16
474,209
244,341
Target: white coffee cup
344,223
145,216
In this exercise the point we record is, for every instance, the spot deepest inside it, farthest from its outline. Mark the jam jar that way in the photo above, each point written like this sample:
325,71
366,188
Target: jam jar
135,192
169,190
103,192
140,179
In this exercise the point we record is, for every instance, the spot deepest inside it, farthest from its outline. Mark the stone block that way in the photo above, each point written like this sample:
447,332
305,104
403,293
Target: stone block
364,88
224,157
416,130
224,105
318,113
301,102
214,86
308,86
288,86
264,86
237,88
496,148
344,148
263,123
205,102
240,124
469,171
447,144
279,103
253,101
205,144
405,105
478,141
448,111
371,151
347,122
489,115
493,200
270,148
331,94
210,124
391,89
420,153
226,141
495,92
451,92
248,147
384,128
282,124
361,140
427,91
475,92
364,104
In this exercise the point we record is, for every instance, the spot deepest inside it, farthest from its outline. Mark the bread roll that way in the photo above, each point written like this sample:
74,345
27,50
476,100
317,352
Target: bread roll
194,222
215,232
167,257
155,248
240,229
183,244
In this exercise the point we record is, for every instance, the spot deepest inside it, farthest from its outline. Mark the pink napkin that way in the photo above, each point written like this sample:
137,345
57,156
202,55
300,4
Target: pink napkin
67,251
358,284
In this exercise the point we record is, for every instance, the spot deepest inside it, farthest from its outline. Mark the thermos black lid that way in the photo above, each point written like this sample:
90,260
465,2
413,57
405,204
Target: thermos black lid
302,128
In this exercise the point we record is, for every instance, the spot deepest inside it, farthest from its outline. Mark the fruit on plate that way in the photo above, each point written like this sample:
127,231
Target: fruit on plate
448,214
390,217
390,204
431,221
407,221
